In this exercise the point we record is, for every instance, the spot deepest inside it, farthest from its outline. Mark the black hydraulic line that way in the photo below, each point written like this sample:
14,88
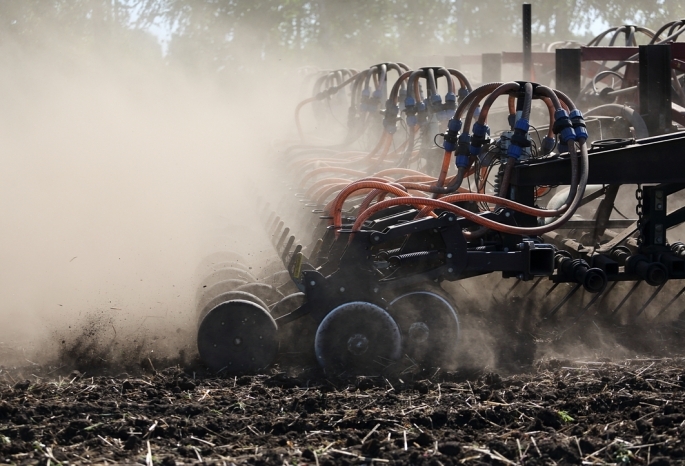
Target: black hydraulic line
627,296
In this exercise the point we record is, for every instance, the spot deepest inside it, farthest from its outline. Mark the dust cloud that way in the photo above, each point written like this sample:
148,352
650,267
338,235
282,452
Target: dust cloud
120,173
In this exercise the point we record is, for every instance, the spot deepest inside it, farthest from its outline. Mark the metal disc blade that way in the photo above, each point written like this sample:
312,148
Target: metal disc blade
205,294
266,293
228,273
207,306
237,336
429,326
357,338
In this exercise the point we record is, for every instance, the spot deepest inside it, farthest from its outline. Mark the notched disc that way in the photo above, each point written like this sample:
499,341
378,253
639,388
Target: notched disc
429,325
357,338
207,305
237,336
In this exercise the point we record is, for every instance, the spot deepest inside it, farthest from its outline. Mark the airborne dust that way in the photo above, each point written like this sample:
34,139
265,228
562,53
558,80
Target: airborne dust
121,173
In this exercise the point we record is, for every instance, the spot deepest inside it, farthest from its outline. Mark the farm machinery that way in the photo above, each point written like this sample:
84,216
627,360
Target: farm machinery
437,182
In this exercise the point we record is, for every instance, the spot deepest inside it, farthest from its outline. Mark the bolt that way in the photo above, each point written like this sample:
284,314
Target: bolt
237,341
223,323
506,249
451,219
449,255
507,214
375,290
312,283
450,270
376,238
342,289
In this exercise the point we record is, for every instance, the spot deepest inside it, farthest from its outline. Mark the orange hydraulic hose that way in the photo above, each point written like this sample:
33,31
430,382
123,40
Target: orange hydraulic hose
377,148
382,152
446,159
338,188
356,186
340,158
317,171
315,190
399,171
326,193
440,204
506,87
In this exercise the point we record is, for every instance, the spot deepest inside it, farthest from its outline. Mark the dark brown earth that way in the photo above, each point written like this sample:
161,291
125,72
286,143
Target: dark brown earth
558,412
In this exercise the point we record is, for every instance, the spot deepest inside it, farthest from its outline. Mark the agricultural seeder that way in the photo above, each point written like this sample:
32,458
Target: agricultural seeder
421,191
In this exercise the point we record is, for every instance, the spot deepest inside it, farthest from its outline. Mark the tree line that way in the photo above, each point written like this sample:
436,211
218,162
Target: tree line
224,35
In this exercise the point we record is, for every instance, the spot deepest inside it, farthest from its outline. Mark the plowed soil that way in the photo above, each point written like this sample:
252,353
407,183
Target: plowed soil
558,412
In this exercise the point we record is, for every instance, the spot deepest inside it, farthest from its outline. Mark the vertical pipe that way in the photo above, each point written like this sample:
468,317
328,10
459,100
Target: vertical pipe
655,87
527,43
568,63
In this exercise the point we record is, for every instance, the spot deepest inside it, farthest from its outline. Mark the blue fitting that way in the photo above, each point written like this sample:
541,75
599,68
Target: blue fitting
514,151
463,144
566,135
421,107
366,92
409,101
462,161
454,125
376,94
522,124
436,99
579,125
480,130
512,119
462,93
390,128
564,127
561,113
449,146
450,97
476,112
464,138
412,120
474,150
444,115
547,145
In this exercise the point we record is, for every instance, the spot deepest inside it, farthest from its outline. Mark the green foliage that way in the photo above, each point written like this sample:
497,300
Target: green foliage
224,35
565,416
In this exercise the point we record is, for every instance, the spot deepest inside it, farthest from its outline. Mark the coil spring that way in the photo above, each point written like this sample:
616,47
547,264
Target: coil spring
498,178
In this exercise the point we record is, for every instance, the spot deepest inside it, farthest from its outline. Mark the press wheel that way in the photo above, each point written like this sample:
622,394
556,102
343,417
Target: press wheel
237,336
357,338
429,325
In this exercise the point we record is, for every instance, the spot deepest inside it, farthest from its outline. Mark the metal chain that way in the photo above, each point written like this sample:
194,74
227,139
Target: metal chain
638,211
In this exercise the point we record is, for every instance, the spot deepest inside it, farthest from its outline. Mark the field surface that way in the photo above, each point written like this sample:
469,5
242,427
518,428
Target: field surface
559,412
